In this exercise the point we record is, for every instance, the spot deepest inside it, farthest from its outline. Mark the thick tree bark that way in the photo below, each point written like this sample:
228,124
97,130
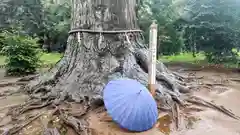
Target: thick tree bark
87,66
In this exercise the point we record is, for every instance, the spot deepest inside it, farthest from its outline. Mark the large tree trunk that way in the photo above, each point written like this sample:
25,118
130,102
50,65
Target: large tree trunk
100,56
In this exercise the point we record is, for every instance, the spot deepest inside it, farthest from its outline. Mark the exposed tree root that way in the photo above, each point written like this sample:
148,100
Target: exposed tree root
16,111
191,69
50,131
78,113
214,84
199,101
27,78
67,116
18,127
5,95
9,106
188,77
235,79
79,125
176,115
5,84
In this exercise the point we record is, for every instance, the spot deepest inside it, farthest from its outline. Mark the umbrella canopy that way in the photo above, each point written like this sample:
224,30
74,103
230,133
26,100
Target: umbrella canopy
130,104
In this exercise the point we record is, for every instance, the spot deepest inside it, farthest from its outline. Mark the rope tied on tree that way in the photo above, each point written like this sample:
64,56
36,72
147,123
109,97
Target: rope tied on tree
79,31
102,31
122,33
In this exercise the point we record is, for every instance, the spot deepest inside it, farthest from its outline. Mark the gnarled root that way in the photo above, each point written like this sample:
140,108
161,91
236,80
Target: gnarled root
31,105
170,84
78,124
51,131
18,127
202,102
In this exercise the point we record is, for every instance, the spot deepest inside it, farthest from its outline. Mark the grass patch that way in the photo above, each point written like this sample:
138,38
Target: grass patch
45,58
2,60
183,57
50,58
235,51
188,58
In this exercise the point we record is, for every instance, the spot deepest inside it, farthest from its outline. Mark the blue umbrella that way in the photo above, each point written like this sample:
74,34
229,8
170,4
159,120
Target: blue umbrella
130,104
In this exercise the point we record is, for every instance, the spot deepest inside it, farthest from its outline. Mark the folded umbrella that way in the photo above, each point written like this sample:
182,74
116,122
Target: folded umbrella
130,104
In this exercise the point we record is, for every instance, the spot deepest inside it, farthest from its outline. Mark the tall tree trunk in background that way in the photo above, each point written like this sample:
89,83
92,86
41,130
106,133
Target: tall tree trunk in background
194,49
87,66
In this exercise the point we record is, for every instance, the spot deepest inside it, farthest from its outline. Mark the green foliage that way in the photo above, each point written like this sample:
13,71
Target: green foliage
50,58
169,41
200,59
211,26
183,57
56,25
21,53
27,14
46,59
47,20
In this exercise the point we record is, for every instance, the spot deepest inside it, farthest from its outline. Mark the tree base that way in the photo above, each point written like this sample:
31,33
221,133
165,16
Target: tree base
82,73
85,69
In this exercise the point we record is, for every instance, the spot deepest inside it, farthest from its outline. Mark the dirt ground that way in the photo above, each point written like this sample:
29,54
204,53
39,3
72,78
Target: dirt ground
194,120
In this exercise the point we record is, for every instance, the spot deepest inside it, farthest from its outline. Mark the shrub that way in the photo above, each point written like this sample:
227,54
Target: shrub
21,52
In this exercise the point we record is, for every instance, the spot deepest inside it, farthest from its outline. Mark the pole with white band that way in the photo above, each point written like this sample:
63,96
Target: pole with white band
153,58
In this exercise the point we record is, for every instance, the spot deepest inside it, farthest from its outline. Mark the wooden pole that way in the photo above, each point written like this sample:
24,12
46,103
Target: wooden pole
152,56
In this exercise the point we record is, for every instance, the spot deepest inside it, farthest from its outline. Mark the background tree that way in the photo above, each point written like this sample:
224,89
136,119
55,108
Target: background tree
27,14
164,13
47,20
56,25
211,26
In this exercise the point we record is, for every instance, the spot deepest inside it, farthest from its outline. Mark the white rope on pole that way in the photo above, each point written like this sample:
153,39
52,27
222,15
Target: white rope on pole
78,37
100,40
